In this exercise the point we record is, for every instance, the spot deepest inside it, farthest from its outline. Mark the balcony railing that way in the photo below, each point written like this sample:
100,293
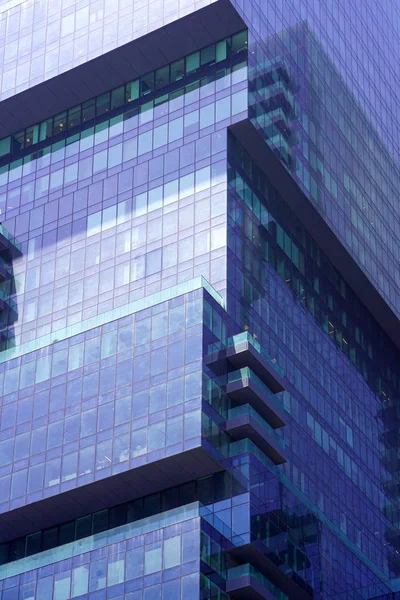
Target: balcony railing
245,337
245,581
5,301
245,387
245,422
247,410
5,269
7,241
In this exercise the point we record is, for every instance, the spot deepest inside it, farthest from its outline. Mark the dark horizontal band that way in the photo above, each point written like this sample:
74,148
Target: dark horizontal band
102,74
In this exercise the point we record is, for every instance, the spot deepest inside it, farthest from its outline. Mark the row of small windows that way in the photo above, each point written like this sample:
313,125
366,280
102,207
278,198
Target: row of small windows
151,85
209,489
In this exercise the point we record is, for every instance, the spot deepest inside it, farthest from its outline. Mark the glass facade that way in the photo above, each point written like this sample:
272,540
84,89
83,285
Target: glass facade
301,104
197,400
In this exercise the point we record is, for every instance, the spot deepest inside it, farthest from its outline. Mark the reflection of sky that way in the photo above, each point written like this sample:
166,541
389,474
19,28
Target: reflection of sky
56,42
7,4
115,239
77,168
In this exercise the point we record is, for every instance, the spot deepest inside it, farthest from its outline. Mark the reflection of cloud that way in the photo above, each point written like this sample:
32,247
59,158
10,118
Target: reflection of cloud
11,4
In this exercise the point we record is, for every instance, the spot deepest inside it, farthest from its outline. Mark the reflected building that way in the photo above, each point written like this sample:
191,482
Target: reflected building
199,301
10,250
372,353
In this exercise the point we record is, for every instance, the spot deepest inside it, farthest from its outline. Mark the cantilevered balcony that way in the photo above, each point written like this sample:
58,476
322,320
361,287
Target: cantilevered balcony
392,486
277,95
244,351
6,304
9,249
5,269
276,69
9,243
246,583
264,561
244,422
244,387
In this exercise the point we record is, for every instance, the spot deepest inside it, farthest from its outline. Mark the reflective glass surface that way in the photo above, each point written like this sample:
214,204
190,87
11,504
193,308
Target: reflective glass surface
142,251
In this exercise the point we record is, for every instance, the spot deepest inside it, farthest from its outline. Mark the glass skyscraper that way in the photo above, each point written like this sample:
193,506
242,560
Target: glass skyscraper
199,300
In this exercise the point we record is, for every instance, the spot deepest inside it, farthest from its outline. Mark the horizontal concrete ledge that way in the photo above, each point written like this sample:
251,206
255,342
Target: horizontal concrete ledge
102,74
248,588
104,493
309,216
